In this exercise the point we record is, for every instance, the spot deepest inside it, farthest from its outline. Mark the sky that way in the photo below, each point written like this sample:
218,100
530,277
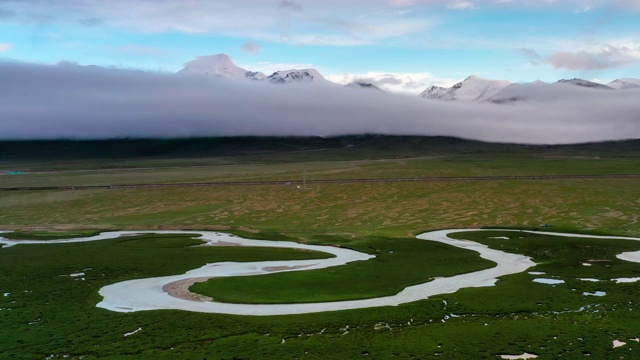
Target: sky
403,45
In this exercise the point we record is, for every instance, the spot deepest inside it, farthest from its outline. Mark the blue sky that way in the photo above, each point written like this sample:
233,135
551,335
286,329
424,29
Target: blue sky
410,43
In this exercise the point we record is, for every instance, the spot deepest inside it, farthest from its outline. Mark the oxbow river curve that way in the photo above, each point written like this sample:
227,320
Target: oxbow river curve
151,294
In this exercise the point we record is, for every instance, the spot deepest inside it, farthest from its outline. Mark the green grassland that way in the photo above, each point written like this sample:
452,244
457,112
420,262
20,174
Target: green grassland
48,313
399,263
49,235
557,256
113,162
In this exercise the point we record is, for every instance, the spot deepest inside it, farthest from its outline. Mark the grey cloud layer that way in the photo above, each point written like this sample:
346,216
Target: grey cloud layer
67,101
607,57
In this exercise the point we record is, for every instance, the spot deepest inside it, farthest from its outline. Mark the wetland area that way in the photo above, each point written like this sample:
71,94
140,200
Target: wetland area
538,266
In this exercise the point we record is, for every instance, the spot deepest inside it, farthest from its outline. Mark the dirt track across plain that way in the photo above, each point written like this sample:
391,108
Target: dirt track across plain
326,181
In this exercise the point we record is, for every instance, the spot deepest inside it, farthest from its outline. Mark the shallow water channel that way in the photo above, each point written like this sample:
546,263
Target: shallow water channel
166,292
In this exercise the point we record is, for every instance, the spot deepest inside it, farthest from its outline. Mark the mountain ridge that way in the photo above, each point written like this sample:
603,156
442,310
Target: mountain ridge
471,89
222,66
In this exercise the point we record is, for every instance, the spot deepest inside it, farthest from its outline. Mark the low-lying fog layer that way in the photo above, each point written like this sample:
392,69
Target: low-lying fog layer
69,101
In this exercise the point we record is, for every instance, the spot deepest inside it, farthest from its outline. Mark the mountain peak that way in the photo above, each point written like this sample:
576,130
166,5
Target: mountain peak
473,78
473,88
221,66
217,65
584,83
362,85
295,76
623,84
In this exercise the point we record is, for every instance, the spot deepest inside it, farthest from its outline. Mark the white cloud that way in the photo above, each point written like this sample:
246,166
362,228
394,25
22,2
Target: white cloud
462,5
400,83
589,57
584,9
313,39
401,2
5,47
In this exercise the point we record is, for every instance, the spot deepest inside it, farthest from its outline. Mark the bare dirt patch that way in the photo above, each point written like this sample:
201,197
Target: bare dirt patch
180,289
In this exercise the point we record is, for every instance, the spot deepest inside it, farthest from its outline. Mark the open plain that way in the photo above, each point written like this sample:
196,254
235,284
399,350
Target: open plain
371,194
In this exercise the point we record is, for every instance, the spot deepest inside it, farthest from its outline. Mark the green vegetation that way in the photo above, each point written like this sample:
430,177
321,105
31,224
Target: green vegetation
51,312
562,256
48,235
115,162
398,263
46,312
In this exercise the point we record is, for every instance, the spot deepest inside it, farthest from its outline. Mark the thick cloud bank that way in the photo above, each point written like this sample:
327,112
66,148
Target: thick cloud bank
68,101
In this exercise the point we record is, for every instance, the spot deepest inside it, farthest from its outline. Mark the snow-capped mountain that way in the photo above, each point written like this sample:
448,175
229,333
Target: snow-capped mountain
295,76
534,91
543,92
219,65
362,85
439,93
473,88
623,84
255,75
584,83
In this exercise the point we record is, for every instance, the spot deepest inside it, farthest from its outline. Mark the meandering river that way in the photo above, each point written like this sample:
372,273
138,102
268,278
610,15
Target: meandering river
159,293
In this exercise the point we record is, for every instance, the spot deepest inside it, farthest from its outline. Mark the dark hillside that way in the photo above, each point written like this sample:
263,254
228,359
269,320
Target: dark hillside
350,147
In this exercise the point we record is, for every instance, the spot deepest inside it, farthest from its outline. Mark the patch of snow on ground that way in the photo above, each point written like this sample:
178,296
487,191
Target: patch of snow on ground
586,264
618,343
597,293
626,280
536,273
516,357
588,279
7,294
77,274
133,332
548,281
633,256
500,237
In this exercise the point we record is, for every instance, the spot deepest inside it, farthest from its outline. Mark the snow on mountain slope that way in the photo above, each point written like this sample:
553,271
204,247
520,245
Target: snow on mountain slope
624,84
584,83
438,93
219,65
537,91
295,76
542,92
473,88
255,75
